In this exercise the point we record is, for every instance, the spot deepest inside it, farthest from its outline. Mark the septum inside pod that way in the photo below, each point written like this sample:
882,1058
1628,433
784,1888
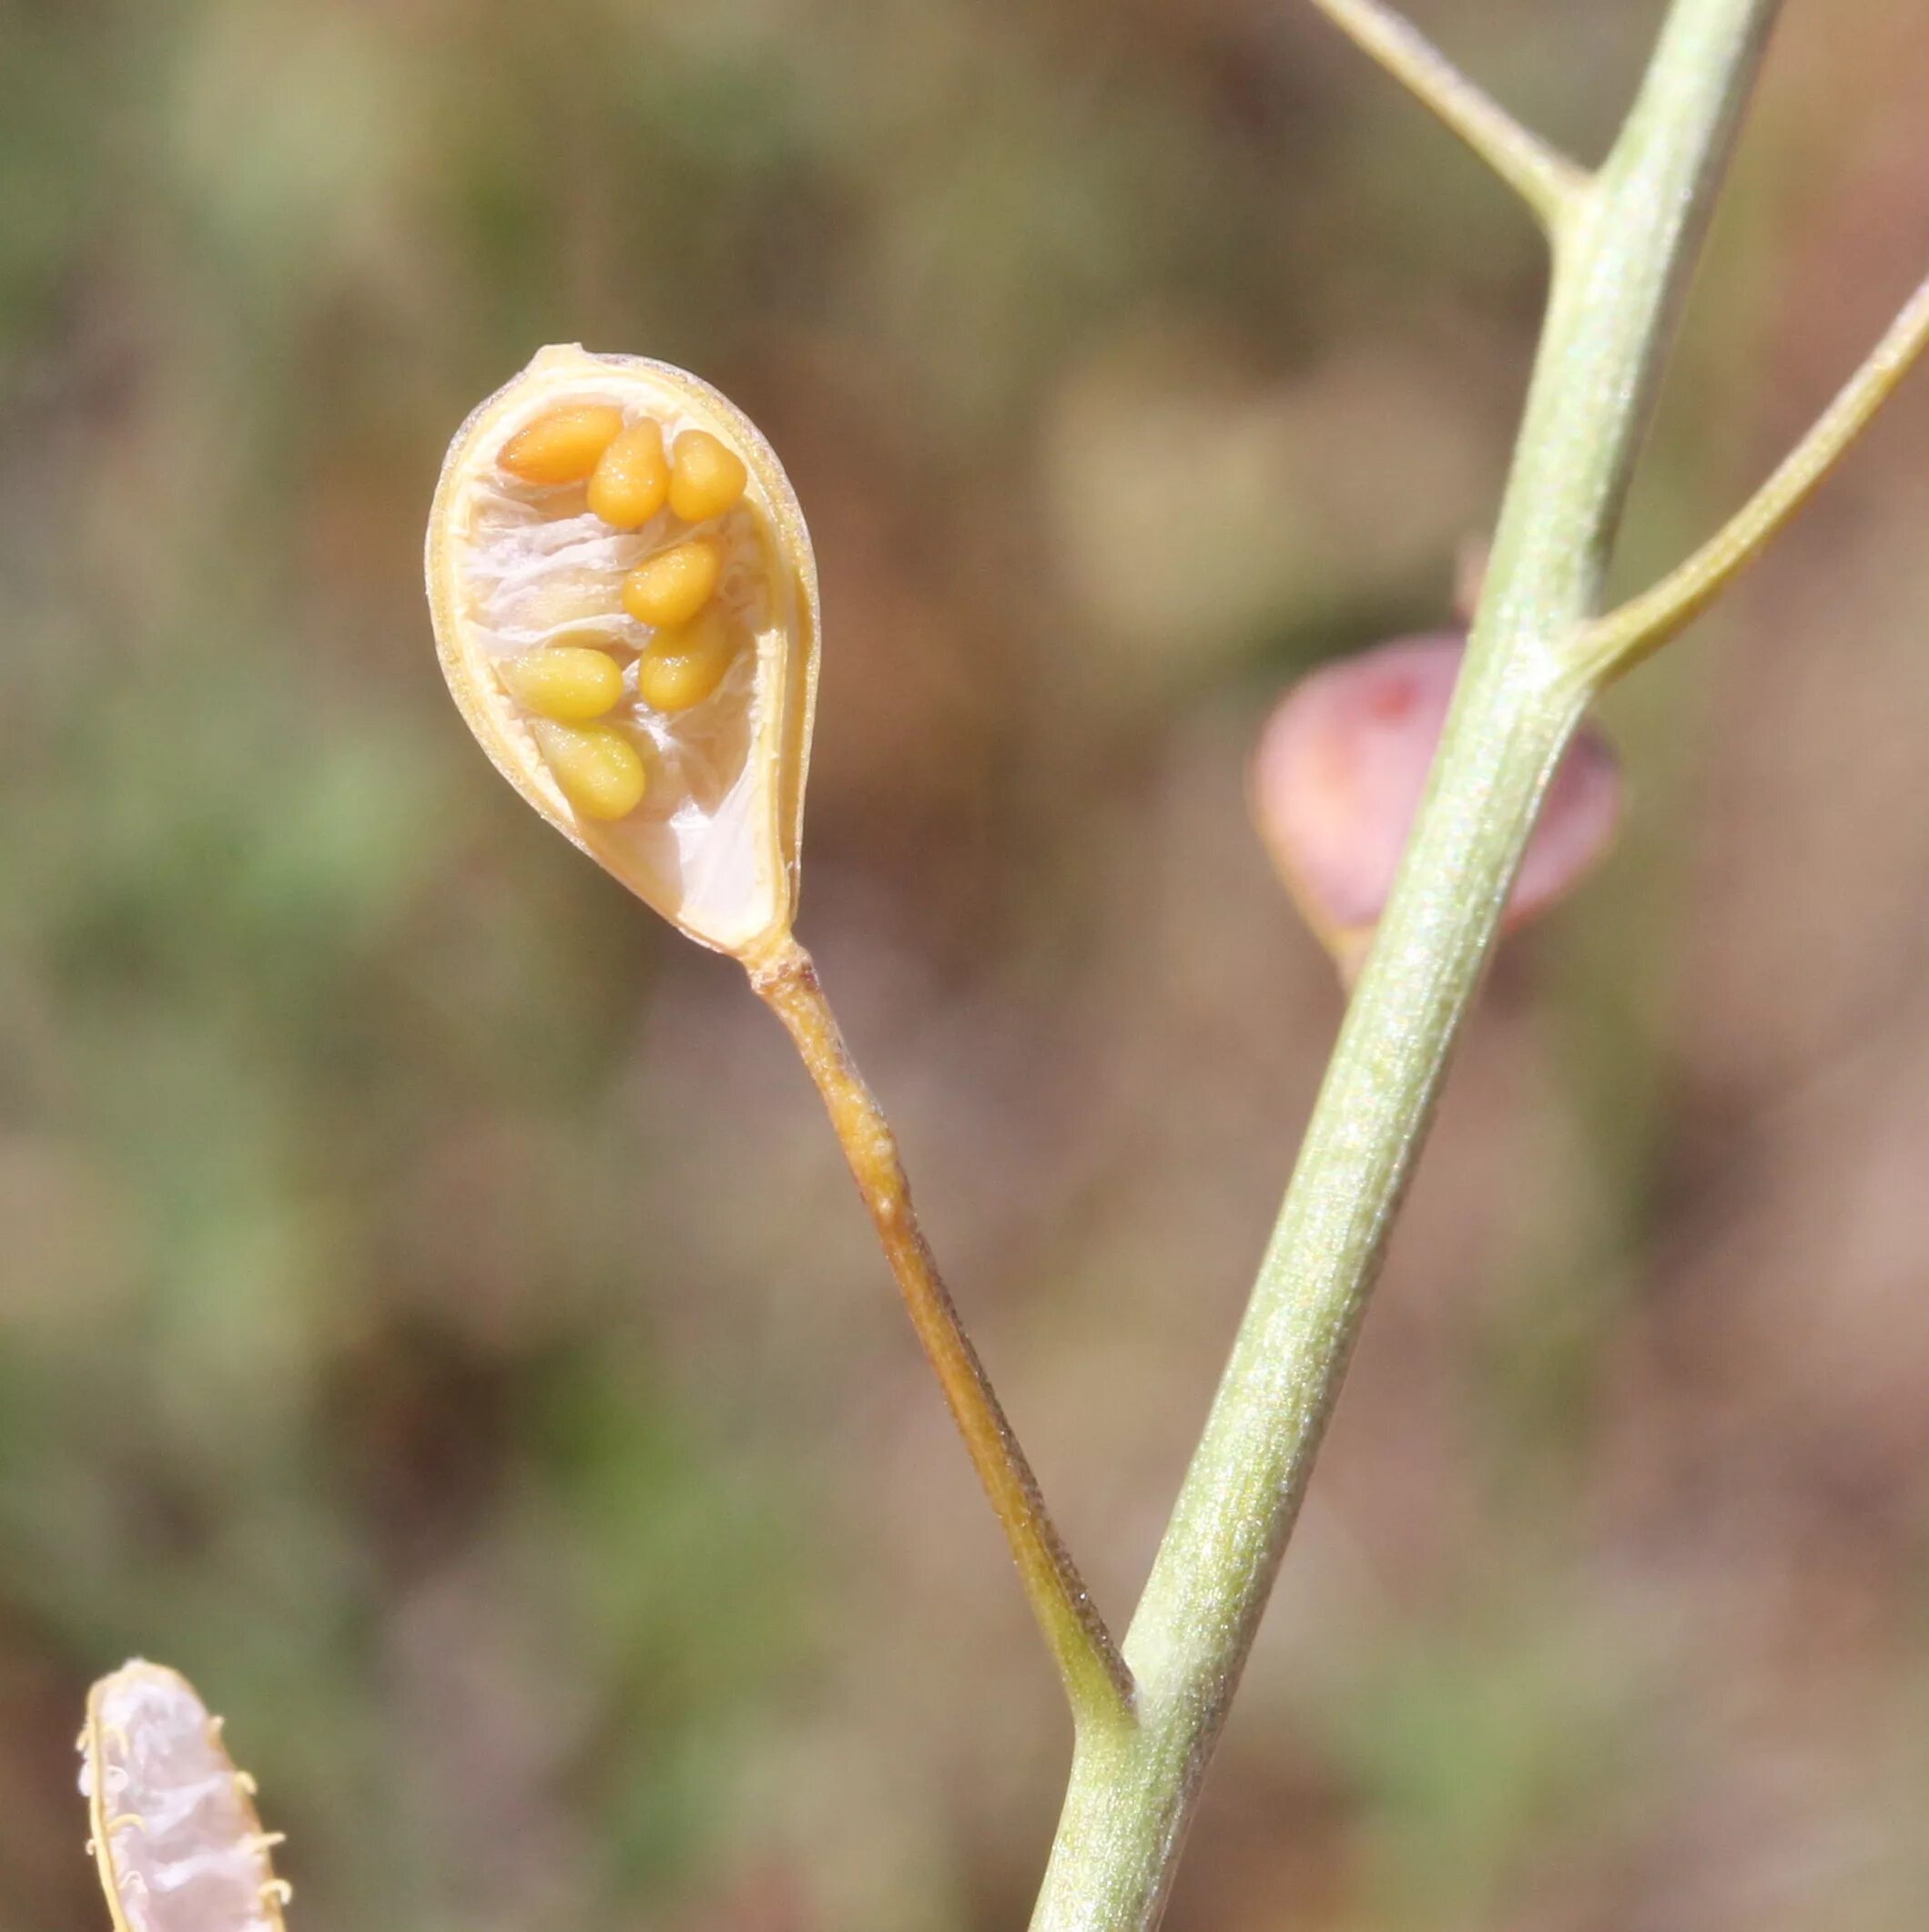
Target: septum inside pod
683,773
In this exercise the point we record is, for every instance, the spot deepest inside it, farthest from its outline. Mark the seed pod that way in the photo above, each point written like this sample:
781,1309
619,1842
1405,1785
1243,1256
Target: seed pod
516,566
1339,771
174,1832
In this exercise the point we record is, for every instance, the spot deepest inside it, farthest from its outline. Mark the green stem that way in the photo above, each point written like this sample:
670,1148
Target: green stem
1621,261
1616,643
1541,176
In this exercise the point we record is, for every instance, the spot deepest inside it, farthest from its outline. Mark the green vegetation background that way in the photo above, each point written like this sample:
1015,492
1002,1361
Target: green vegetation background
431,1312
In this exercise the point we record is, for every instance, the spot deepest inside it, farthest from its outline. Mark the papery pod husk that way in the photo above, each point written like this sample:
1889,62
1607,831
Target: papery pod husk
728,879
163,1792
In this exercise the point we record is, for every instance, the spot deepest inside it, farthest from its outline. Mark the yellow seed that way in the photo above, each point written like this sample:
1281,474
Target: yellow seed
705,477
682,668
564,446
632,480
565,682
600,771
672,586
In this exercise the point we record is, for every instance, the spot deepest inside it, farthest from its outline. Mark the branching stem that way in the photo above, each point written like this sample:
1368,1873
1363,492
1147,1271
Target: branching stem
1096,1680
1622,253
1614,644
1624,244
1545,180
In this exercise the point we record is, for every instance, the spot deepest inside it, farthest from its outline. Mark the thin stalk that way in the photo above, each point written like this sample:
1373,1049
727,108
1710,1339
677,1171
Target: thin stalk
1620,264
1545,178
1097,1683
1618,642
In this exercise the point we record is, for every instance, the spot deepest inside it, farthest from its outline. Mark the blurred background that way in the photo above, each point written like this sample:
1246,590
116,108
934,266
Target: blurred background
433,1312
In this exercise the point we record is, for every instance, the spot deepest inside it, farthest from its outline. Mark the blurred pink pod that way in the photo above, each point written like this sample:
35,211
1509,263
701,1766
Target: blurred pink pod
1339,771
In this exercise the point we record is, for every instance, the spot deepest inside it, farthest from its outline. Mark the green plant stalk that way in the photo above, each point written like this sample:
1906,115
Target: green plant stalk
1623,255
1541,176
1616,643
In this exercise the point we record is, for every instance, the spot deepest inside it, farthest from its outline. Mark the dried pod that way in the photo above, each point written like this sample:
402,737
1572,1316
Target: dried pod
1338,774
683,775
174,1832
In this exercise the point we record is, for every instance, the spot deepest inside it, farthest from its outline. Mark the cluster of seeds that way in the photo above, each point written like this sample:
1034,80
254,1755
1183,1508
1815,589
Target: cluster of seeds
595,694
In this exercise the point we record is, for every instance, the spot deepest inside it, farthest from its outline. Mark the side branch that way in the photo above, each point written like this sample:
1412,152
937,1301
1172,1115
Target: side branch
1097,1682
1610,645
1545,178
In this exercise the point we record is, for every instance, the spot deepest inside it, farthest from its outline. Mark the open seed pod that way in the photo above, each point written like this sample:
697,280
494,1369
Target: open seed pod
625,607
174,1832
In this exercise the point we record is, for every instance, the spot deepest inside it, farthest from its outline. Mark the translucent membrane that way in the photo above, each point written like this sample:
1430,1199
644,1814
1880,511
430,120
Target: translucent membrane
519,567
174,1832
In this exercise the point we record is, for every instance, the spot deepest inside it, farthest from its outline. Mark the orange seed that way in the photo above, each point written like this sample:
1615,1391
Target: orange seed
632,480
564,446
600,771
683,668
566,682
706,476
672,586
